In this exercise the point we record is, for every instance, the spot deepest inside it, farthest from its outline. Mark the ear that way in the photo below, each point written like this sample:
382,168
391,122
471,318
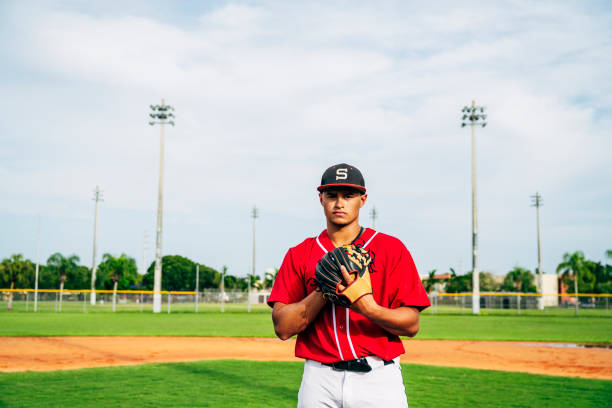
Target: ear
321,198
364,198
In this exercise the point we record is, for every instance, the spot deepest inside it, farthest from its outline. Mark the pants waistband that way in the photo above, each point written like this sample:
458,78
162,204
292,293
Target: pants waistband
363,365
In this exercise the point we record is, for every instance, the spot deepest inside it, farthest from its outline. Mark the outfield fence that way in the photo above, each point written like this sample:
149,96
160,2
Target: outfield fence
513,302
69,300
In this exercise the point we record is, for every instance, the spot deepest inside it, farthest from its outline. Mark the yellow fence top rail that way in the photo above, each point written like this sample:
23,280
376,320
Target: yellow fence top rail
528,294
191,292
145,292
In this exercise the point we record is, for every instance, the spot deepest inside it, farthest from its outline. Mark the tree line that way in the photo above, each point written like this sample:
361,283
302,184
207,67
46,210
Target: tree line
120,273
179,273
592,277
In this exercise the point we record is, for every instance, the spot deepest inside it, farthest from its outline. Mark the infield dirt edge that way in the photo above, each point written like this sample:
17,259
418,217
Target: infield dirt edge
75,352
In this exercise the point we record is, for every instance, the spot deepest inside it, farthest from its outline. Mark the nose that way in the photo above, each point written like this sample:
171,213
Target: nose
340,201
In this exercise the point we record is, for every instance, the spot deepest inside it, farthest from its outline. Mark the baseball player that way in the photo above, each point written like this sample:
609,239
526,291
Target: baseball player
351,354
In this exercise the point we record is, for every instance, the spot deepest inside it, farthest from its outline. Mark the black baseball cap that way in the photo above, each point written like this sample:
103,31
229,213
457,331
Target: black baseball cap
342,175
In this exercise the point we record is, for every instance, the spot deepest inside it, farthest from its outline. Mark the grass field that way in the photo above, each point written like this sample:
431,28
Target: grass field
73,306
231,383
259,324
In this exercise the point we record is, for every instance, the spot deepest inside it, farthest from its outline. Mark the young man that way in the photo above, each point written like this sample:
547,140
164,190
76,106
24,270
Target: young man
352,354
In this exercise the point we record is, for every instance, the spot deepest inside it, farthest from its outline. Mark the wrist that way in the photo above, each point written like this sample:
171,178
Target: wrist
367,306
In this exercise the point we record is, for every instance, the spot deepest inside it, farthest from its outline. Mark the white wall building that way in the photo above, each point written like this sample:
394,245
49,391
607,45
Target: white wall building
259,296
551,289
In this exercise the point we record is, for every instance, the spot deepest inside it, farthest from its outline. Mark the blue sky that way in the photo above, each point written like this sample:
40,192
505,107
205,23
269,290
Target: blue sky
269,94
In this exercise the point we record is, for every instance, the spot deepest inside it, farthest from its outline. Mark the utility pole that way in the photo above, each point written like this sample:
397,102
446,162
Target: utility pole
161,115
197,287
254,214
223,271
537,202
37,265
143,269
373,215
472,116
97,198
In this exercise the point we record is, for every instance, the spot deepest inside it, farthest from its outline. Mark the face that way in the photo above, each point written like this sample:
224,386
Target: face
341,206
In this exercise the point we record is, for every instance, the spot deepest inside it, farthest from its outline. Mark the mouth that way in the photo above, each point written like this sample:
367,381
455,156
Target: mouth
339,213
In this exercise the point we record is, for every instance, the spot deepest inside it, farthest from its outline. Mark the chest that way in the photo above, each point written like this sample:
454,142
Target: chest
381,285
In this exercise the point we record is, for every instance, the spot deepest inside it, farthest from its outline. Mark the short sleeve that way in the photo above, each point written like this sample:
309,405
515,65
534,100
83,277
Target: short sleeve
288,286
410,290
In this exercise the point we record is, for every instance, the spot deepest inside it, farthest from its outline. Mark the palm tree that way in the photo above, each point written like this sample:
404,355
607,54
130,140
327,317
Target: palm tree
430,282
269,278
11,270
520,279
459,283
116,267
570,268
256,282
63,266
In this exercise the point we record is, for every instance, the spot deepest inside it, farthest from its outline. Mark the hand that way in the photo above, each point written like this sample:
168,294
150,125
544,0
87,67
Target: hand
363,305
346,276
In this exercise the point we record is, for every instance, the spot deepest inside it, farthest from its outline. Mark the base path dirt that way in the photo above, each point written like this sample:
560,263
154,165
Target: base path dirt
55,353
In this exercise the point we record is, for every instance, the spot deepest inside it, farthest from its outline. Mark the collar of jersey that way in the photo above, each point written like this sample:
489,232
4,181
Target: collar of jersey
329,246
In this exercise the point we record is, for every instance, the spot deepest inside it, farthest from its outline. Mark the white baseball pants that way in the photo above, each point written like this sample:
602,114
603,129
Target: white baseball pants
322,386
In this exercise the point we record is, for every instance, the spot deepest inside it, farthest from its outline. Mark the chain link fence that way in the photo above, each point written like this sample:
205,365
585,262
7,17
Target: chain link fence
23,300
131,301
517,303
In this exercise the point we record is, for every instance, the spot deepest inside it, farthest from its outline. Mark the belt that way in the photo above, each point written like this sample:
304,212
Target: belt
360,365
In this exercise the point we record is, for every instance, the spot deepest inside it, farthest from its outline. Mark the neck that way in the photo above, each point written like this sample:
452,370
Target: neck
343,234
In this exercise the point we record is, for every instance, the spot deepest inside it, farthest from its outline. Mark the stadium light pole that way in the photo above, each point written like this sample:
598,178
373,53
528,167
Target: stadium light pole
94,268
474,116
161,115
537,202
254,214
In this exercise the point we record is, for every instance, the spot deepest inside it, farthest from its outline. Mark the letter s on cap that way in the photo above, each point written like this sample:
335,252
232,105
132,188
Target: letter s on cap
342,174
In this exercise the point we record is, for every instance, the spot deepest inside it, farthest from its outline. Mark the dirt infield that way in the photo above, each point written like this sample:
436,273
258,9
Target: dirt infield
54,353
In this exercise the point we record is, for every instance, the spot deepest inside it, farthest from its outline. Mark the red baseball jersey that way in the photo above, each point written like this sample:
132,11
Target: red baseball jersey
339,333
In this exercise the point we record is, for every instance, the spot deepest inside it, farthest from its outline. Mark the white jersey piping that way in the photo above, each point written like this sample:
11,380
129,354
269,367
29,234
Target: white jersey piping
370,240
334,313
336,332
348,334
321,245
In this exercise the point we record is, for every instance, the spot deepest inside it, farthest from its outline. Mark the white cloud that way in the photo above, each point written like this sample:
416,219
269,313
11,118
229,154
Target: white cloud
267,96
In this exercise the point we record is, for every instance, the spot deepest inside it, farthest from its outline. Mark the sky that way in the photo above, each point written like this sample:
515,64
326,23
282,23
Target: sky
269,94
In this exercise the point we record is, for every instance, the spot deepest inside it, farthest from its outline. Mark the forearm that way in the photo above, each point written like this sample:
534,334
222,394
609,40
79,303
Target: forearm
291,319
403,321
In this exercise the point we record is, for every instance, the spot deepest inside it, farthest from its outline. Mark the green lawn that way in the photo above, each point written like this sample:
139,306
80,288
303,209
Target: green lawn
231,383
78,306
259,324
